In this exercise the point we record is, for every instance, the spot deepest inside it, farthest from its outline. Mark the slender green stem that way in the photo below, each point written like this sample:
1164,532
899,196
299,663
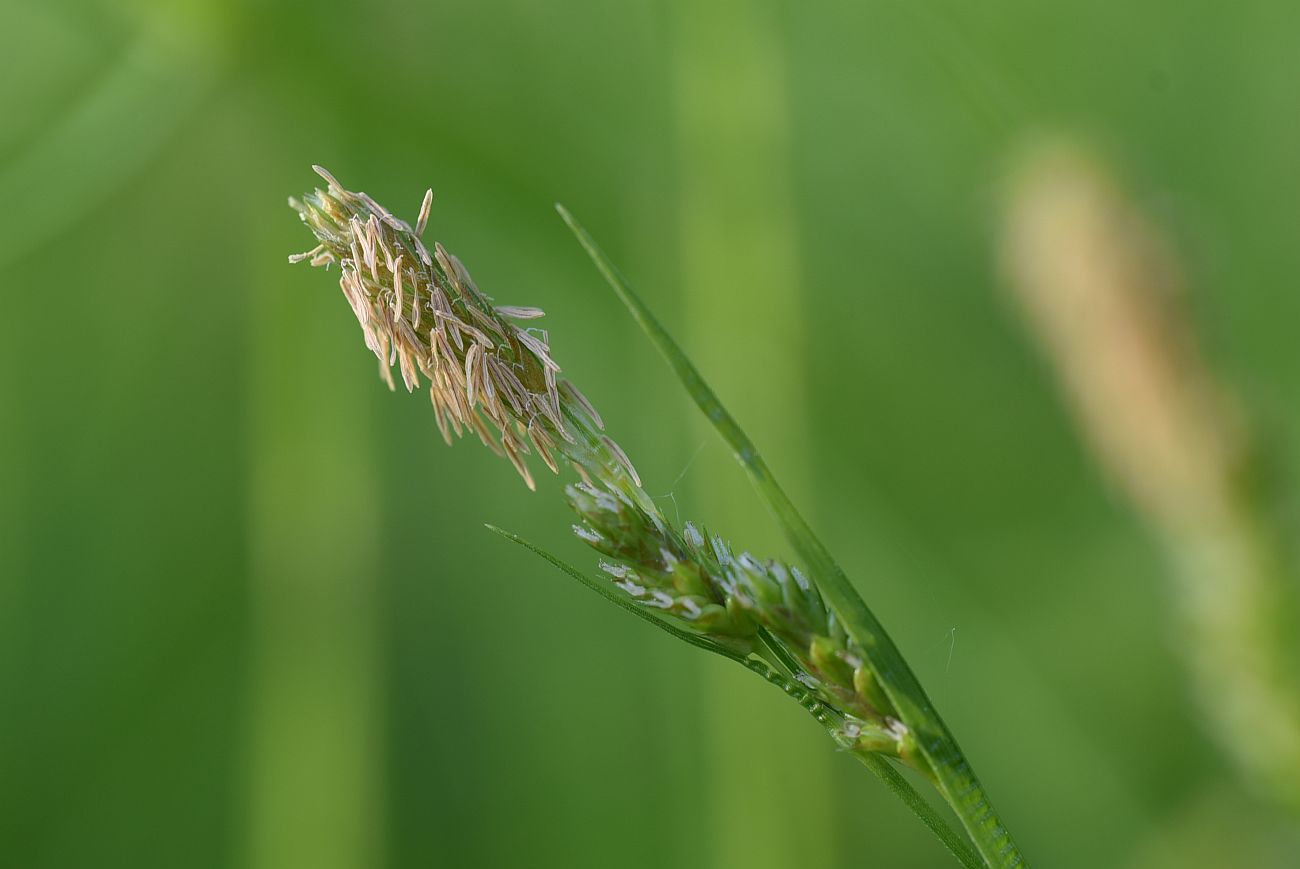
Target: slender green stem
829,718
902,788
954,776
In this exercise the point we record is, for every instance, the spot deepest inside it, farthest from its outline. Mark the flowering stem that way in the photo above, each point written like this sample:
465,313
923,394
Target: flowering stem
420,310
954,777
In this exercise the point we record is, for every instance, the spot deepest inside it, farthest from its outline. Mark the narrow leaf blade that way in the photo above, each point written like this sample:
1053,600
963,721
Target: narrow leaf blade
955,778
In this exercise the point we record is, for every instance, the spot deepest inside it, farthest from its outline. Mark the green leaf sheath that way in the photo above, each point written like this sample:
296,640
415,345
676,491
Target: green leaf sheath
953,775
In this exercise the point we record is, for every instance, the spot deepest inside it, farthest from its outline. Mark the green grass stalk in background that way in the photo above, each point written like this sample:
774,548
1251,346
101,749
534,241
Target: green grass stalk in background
740,275
487,374
316,706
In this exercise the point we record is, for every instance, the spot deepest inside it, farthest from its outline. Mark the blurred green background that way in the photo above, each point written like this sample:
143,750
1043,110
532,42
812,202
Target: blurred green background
249,616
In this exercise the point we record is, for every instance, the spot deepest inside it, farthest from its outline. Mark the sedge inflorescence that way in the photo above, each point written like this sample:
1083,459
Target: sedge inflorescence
421,312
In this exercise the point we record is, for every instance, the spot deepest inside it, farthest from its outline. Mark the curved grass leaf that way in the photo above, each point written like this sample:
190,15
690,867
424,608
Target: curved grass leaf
953,775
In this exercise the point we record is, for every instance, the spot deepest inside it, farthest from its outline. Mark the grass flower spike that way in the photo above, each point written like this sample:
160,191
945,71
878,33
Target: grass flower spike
421,312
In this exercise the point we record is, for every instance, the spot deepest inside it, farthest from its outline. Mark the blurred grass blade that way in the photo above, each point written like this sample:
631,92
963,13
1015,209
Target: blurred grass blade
953,774
882,768
132,110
